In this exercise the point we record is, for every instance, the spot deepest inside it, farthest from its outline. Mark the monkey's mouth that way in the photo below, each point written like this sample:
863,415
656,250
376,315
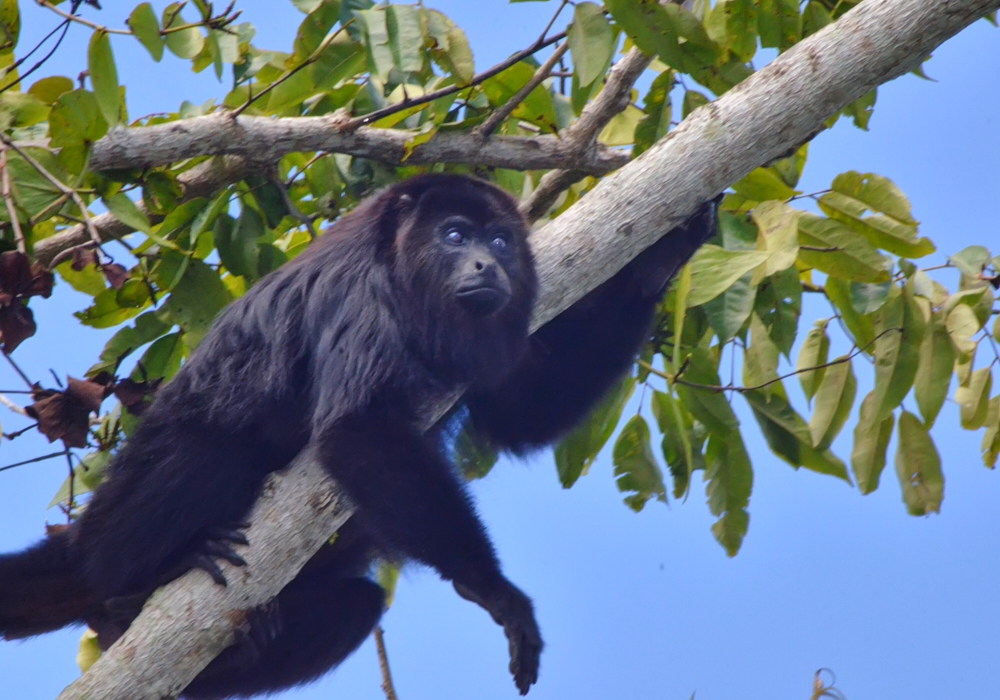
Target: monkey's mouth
482,299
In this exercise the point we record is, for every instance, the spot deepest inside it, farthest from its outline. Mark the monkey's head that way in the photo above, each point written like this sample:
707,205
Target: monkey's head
461,258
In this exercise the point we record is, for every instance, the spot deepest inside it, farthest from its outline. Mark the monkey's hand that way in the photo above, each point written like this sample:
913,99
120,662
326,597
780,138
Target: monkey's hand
654,267
512,610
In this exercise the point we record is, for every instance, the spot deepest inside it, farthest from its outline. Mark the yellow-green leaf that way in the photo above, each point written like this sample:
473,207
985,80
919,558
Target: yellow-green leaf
839,250
861,327
937,359
760,360
577,451
127,212
900,326
636,471
89,651
763,184
183,43
591,42
833,403
729,477
815,351
991,440
973,398
871,440
48,90
146,29
715,269
406,37
918,467
779,236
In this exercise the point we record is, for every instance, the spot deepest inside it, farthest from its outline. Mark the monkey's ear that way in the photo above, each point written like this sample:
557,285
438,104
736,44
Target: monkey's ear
405,203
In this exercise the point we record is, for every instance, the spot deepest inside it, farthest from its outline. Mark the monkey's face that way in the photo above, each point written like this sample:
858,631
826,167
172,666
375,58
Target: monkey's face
466,275
466,247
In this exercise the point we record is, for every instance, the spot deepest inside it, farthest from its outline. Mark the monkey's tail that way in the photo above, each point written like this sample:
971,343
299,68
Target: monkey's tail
39,589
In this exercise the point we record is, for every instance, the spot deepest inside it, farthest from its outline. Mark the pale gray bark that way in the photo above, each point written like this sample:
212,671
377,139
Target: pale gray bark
186,624
265,140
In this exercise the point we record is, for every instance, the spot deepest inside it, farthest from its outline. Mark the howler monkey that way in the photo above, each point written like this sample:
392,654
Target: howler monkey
425,287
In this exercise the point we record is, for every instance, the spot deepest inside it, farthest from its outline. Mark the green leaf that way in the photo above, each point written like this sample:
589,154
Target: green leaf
185,43
779,237
779,305
48,90
32,191
760,360
146,29
971,261
10,26
730,481
89,280
105,312
779,23
871,440
892,226
21,109
681,443
74,122
897,353
450,47
147,328
237,242
313,30
788,435
815,351
578,450
373,24
834,401
739,18
656,105
620,131
89,651
962,324
973,398
692,101
861,327
937,360
195,301
764,184
714,270
991,439
708,406
161,361
127,212
861,110
918,467
730,310
537,108
591,42
647,23
869,298
636,470
474,458
841,251
814,17
406,37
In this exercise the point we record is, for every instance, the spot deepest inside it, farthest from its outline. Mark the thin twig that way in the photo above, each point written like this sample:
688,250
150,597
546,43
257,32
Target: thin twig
32,461
9,202
306,220
12,406
18,370
498,116
676,379
583,133
364,119
95,237
77,18
383,664
72,486
312,58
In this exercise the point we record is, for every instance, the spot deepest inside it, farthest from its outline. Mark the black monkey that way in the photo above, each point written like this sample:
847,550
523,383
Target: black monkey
426,287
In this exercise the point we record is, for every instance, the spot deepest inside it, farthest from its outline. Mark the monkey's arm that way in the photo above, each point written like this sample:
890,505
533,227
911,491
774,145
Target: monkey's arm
409,499
578,356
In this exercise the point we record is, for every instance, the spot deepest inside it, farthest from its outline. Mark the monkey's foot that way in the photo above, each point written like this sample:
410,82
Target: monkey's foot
218,544
262,626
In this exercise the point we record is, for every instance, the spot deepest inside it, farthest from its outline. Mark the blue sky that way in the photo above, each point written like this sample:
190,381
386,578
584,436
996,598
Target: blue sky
649,605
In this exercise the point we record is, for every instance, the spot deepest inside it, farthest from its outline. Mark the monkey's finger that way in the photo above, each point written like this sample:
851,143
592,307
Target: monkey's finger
226,534
208,565
217,549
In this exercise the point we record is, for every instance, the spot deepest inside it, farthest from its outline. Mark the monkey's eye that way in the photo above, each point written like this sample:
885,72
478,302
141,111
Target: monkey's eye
499,244
454,236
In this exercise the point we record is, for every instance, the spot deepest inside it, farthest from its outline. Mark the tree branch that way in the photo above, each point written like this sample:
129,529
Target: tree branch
267,140
185,624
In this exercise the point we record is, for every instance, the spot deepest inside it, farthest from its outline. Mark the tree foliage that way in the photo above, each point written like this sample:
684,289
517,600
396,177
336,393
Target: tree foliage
726,329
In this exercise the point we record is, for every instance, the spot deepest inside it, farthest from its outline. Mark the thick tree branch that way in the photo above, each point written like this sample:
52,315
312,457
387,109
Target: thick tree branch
188,622
266,140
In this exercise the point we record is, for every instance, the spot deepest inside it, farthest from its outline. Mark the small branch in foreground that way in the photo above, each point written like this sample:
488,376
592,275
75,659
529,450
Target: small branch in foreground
452,89
32,461
495,119
676,378
12,406
383,663
8,201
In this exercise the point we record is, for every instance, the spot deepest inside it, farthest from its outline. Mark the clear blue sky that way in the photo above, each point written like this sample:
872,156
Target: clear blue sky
648,605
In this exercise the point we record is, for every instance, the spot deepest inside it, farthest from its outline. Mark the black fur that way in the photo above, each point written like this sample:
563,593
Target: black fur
339,349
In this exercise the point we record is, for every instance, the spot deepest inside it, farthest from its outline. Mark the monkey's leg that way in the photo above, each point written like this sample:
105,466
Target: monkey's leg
313,625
